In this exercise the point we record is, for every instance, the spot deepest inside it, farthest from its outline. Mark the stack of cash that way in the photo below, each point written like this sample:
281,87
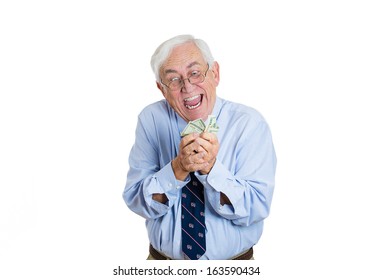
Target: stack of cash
199,126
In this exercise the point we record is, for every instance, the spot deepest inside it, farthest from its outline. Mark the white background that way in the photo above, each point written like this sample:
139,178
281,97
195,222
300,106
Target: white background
75,74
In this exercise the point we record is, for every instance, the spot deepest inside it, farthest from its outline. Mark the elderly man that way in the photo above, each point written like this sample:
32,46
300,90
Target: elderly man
204,194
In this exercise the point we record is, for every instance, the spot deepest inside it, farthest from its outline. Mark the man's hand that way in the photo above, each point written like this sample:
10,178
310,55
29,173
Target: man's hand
197,152
209,142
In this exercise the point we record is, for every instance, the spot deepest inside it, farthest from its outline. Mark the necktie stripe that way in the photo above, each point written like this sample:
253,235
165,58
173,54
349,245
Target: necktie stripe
198,197
193,216
195,241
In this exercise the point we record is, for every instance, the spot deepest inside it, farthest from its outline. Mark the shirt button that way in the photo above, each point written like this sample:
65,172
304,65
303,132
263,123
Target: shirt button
169,184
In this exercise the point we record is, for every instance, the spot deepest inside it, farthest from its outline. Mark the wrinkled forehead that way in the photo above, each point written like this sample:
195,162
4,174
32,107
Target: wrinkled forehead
183,57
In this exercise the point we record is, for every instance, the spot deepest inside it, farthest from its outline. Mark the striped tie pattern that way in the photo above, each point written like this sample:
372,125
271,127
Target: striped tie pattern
193,219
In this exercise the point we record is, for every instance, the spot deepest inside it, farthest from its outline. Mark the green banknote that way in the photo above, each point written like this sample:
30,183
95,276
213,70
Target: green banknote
199,126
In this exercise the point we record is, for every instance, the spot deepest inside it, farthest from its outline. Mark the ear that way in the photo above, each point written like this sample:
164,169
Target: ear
216,72
161,88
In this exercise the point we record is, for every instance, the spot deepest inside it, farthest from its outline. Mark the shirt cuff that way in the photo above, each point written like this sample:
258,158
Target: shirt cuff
164,181
220,180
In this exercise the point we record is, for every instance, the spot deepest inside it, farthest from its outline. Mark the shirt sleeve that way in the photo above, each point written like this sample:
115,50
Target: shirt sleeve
249,184
145,176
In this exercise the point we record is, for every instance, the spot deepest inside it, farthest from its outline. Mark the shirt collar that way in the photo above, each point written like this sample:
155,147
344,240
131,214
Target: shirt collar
217,107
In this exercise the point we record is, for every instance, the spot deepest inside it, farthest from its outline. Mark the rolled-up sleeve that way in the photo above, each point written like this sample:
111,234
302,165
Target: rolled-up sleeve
146,177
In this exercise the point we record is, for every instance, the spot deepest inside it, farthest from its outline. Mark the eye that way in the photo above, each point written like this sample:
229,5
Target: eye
174,79
195,73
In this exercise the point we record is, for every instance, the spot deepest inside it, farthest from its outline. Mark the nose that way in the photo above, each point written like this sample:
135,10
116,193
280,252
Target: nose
187,86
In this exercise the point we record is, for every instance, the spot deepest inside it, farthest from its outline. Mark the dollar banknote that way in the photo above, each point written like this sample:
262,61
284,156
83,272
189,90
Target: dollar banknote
199,126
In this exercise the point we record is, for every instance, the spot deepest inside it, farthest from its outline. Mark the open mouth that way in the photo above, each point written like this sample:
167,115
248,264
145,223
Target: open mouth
193,102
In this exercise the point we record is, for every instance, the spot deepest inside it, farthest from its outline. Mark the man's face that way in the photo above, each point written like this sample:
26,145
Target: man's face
190,101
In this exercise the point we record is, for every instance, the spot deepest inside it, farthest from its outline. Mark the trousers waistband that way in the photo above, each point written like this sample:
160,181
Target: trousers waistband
247,255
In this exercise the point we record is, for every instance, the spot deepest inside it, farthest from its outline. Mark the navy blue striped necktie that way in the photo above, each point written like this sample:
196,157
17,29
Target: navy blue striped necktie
193,219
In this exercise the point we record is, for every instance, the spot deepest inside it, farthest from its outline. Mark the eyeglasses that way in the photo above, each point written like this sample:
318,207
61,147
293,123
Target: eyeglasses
196,77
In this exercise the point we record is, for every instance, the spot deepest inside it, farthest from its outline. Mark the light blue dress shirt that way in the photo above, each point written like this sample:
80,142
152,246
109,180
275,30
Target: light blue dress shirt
244,171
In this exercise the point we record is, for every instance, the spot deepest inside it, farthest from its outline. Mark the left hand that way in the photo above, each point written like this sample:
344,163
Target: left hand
210,144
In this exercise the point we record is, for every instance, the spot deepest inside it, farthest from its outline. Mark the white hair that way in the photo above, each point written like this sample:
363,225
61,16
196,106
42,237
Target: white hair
163,51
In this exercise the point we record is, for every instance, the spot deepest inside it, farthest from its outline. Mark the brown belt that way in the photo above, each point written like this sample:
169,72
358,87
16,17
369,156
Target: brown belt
247,255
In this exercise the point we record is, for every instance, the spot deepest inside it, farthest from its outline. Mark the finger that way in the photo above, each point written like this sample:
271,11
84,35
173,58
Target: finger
186,140
210,137
196,166
204,144
192,148
198,158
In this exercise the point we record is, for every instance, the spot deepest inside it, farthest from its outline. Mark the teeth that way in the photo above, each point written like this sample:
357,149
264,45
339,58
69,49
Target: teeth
191,98
193,107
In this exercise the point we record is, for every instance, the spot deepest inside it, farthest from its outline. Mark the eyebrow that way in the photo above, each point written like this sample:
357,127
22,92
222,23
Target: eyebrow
189,66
